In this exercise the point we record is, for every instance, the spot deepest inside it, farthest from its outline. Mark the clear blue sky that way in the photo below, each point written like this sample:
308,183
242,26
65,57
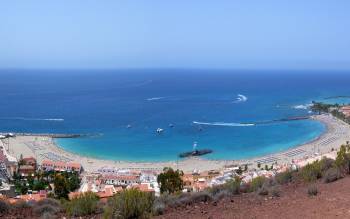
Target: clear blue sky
301,34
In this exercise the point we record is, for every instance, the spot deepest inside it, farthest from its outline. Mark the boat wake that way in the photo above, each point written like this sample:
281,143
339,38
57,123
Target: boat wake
241,98
32,119
224,124
154,98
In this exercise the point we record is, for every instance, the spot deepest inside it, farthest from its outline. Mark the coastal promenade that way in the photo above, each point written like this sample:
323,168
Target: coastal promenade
44,148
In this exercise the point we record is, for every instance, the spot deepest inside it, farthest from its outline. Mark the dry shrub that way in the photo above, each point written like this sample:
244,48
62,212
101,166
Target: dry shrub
312,190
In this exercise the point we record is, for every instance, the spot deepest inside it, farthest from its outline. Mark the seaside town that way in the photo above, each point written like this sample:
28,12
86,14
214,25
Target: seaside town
32,178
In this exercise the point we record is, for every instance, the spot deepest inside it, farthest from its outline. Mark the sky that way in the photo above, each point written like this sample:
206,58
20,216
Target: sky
247,34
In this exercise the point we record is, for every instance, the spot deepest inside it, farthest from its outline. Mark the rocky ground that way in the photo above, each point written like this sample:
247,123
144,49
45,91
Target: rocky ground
332,201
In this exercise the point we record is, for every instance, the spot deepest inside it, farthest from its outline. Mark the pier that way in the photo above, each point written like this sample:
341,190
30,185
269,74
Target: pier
296,118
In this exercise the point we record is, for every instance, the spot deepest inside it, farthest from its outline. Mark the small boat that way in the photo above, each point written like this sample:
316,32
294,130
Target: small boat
171,125
128,126
159,130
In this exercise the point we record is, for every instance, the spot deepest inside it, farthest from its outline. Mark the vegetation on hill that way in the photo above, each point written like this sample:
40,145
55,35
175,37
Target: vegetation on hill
129,204
170,180
320,107
84,204
132,203
334,109
64,182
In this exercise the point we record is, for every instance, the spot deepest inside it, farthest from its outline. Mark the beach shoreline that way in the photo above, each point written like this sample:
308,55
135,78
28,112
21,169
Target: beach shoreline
44,147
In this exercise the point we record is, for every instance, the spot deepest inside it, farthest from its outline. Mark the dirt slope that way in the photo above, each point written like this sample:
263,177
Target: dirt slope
333,201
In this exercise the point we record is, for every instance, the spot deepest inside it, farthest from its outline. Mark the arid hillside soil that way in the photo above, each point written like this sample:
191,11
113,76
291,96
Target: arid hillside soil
332,201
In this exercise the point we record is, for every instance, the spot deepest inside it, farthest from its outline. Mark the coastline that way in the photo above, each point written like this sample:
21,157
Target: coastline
44,147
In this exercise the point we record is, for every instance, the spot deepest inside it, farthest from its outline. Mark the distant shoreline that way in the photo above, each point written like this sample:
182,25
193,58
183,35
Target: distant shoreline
42,147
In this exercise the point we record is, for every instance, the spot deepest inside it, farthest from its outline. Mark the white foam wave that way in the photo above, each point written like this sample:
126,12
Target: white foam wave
303,107
154,98
224,124
32,119
241,98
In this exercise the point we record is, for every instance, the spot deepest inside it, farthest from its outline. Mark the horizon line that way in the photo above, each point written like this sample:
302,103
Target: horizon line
175,68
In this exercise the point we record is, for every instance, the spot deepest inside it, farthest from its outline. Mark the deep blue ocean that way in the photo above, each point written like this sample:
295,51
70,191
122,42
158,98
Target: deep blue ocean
123,109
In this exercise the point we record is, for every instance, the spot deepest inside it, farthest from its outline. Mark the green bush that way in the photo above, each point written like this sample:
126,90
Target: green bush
342,160
326,164
311,172
233,186
4,207
84,204
284,177
170,180
130,203
312,190
331,175
256,183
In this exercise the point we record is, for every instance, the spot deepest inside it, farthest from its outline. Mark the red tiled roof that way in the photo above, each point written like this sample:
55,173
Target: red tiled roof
105,194
58,165
142,188
47,162
34,197
74,165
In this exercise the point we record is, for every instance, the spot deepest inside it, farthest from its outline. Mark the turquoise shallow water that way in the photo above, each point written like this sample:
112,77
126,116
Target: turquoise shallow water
221,110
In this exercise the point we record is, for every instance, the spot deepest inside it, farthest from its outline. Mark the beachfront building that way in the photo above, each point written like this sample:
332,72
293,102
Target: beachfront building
27,166
29,161
26,170
345,110
120,180
48,165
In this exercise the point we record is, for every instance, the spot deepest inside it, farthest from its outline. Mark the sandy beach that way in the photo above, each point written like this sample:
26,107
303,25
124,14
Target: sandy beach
42,148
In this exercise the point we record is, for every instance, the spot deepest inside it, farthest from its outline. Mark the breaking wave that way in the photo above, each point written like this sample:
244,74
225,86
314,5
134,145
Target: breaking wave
241,98
32,119
224,124
303,107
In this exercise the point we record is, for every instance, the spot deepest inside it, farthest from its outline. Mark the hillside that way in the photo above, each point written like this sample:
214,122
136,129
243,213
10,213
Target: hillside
332,201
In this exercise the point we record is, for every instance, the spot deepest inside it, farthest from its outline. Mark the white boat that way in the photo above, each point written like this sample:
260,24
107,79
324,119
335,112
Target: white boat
159,130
